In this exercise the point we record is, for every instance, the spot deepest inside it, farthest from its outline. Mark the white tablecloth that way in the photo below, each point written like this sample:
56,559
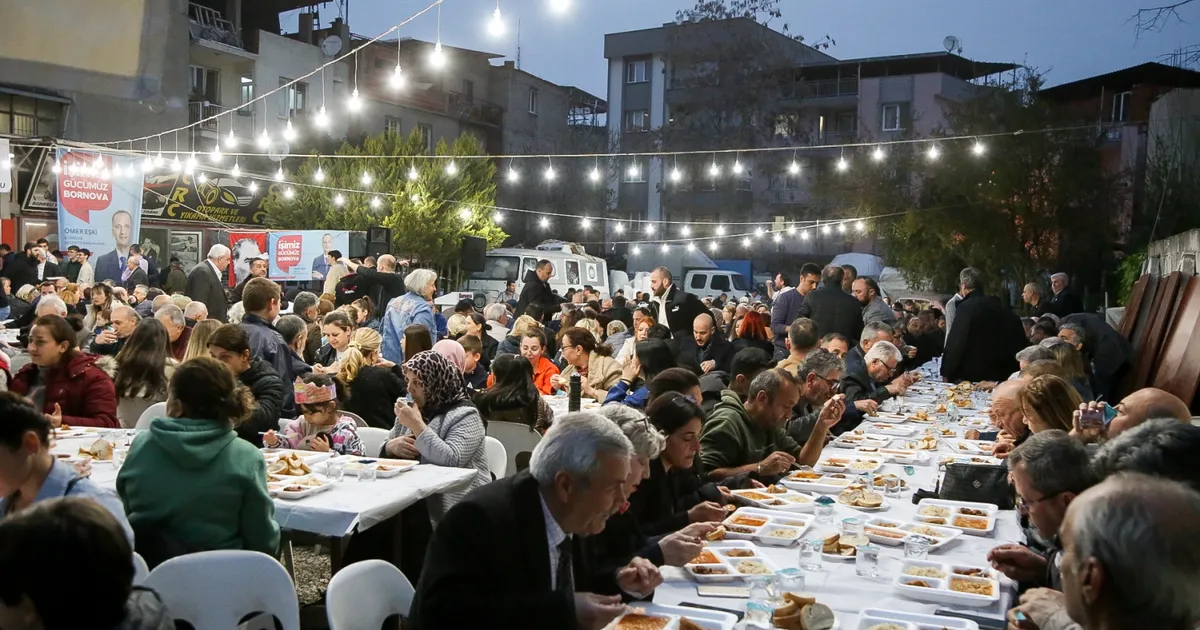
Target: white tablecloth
836,584
351,506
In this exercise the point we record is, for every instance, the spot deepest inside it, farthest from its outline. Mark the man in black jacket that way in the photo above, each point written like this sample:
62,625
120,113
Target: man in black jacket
21,268
1065,301
986,336
832,309
575,482
204,282
382,284
620,312
705,347
261,300
536,290
673,306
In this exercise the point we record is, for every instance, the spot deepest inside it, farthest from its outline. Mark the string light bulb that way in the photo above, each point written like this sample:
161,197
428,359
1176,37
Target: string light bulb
158,160
713,246
366,178
56,168
720,230
375,201
691,247
676,175
465,214
289,132
794,168
746,242
279,174
413,174
825,229
496,25
861,226
841,228
594,175
550,174
791,230
878,154
586,223
649,229
189,167
231,140
321,119
685,231
804,234
738,168
355,103
637,249
288,193
619,228
215,155
497,217
147,165
176,166
414,198
777,237
264,140
318,175
758,231
451,168
714,170
236,171
978,148
397,79
934,152
202,178
633,171
544,223
842,165
514,175
665,248
437,58
339,200
252,187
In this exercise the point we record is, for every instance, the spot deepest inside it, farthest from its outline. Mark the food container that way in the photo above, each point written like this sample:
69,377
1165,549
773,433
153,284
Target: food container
383,467
890,531
978,519
954,588
295,488
722,561
853,465
766,526
707,619
781,498
917,621
824,483
890,429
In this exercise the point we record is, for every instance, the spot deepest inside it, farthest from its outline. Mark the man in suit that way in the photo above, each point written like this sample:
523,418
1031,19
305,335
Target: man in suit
320,264
204,282
786,307
536,290
134,275
44,264
832,309
705,347
986,337
575,482
1065,301
1107,349
674,308
110,265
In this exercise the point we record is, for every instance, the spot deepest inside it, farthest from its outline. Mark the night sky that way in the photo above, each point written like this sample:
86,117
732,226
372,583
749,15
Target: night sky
1065,39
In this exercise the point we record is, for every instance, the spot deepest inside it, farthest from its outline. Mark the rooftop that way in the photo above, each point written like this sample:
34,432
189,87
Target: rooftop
1152,73
918,63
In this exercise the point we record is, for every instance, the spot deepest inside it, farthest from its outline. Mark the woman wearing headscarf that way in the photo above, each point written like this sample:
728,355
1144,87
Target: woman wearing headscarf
440,427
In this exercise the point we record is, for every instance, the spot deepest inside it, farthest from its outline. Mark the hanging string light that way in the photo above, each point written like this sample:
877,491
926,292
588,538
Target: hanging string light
637,249
720,230
288,193
252,187
366,178
841,228
804,235
397,79
619,228
231,140
318,175
339,200
738,169
585,223
321,119
544,223
289,132
498,217
514,175
649,229
934,153
878,154
215,155
355,103
465,214
496,25
437,58
279,174
594,174
264,140
550,174
413,174
685,231
236,171
451,168
713,245
842,165
633,172
375,201
746,242
978,148
860,225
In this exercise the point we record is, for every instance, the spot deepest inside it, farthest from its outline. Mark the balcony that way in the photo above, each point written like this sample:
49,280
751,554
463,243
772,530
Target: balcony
243,120
207,27
829,93
474,110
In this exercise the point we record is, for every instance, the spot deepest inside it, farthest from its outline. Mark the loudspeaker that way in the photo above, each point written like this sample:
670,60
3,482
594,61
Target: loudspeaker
474,249
379,241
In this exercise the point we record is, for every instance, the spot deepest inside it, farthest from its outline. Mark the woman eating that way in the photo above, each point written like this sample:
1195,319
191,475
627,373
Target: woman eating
533,345
141,370
337,328
650,358
320,427
1048,402
198,341
373,384
752,333
230,345
513,397
440,427
189,484
62,381
591,360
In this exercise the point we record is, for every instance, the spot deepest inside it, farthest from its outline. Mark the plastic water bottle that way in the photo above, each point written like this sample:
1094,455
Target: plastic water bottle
576,387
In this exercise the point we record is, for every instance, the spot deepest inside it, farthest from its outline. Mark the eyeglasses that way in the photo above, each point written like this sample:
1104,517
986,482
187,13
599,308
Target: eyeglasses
891,368
1025,506
834,385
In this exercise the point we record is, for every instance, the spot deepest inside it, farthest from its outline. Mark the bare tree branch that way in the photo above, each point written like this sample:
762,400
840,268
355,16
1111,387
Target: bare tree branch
1157,18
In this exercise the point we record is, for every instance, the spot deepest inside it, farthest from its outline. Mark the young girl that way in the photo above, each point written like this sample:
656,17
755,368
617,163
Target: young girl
320,428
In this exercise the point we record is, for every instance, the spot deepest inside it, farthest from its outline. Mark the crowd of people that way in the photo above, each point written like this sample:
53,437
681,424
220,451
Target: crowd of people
699,397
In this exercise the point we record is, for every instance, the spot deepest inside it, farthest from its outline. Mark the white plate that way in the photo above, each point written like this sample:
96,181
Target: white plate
775,520
721,550
890,429
393,466
971,447
986,460
672,620
940,590
806,503
945,535
825,466
276,488
707,619
902,456
919,621
830,557
845,440
308,457
825,485
883,506
955,508
886,417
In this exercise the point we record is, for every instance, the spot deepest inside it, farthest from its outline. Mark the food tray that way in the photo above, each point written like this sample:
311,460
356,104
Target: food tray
855,440
828,484
277,488
885,417
892,531
308,457
798,523
386,467
872,617
788,500
888,429
728,555
955,509
707,619
974,460
896,455
938,589
971,446
851,465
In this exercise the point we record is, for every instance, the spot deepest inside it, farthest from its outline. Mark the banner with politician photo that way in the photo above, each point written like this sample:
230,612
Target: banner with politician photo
246,247
303,255
99,207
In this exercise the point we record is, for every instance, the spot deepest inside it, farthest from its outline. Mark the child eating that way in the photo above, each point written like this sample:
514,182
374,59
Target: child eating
321,428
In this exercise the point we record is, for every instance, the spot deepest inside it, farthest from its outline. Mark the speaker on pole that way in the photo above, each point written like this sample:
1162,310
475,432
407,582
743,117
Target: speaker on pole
379,241
474,250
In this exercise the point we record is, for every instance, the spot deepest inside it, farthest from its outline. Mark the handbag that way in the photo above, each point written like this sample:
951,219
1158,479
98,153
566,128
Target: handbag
978,484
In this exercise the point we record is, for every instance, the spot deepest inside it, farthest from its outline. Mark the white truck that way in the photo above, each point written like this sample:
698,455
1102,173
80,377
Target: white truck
573,268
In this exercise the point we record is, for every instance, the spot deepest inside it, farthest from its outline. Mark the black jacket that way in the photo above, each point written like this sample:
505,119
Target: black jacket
663,499
325,356
510,345
718,350
762,344
833,311
145,610
463,557
858,385
983,342
373,394
1065,303
267,344
269,392
380,286
136,277
48,271
204,285
1109,351
535,291
682,309
20,270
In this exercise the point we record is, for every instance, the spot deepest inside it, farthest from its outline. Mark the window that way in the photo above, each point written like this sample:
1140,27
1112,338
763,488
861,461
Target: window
635,71
391,124
533,100
295,98
205,84
1120,110
572,272
720,283
426,136
637,120
497,268
25,116
469,89
697,281
247,88
891,117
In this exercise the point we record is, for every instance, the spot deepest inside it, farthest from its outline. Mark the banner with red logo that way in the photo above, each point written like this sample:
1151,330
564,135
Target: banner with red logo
303,255
246,248
99,207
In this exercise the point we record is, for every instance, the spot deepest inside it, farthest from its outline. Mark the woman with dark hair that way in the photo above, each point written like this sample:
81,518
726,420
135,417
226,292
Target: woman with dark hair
230,345
651,357
417,339
141,370
440,427
477,326
336,327
374,386
591,360
366,313
63,382
99,308
513,396
752,333
188,483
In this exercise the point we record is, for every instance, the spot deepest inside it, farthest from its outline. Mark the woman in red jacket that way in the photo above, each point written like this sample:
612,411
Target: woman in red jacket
64,382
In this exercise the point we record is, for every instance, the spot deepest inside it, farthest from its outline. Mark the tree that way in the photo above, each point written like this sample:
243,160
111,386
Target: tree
1034,201
428,215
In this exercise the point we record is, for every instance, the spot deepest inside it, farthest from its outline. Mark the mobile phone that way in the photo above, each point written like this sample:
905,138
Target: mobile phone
718,590
1097,419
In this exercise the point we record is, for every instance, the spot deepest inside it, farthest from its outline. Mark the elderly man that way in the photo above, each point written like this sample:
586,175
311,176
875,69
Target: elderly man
140,295
985,337
673,307
870,386
1064,301
1162,447
195,311
871,334
704,347
1048,472
261,300
134,276
1032,296
177,331
204,282
294,331
1006,415
575,482
786,306
749,437
305,306
874,309
110,340
1144,404
1106,348
161,300
832,309
801,340
536,289
818,380
497,320
258,269
836,343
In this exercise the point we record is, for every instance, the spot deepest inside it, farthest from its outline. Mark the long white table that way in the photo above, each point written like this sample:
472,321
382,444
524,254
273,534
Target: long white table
839,587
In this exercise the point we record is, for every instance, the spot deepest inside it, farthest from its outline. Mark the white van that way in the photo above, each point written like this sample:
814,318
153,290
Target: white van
573,268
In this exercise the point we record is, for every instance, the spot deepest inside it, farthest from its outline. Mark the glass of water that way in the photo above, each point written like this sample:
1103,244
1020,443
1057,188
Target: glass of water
892,486
368,472
788,581
824,509
916,547
810,553
866,562
760,588
335,469
759,614
119,457
853,526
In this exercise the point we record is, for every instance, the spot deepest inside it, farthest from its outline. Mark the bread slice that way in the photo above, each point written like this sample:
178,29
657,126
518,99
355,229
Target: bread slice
870,500
831,544
716,534
817,617
688,624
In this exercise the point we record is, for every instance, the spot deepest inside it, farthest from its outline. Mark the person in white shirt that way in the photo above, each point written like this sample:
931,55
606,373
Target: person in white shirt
87,275
497,320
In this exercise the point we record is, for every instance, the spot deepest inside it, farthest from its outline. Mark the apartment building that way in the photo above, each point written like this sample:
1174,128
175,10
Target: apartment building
807,99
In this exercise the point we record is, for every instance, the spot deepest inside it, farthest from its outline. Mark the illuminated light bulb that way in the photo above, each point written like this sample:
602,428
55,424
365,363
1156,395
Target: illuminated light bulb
375,202
437,58
147,165
878,154
355,102
543,223
842,165
236,171
778,237
934,152
321,119
550,174
414,198
231,140
366,178
714,170
264,140
452,169
676,174
979,148
318,175
758,232
633,170
746,242
465,214
202,178
738,168
496,25
560,6
841,228
514,175
594,175
860,226
720,230
99,164
288,193
649,228
279,175
176,166
637,250
691,247
713,246
413,174
619,228
665,248
804,235
794,168
791,230
586,223
289,132
158,160
215,155
497,217
339,200
252,187
189,167
397,79
685,231
825,229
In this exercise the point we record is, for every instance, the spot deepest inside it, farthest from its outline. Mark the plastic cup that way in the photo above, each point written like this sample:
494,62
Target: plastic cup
368,472
335,469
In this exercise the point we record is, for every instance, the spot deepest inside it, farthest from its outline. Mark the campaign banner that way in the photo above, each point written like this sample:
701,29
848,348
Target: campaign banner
99,207
214,198
5,167
245,247
300,255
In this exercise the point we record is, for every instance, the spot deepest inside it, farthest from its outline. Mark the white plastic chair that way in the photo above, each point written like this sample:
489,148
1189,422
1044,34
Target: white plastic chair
283,424
215,590
358,421
497,457
140,569
516,439
373,439
157,410
364,594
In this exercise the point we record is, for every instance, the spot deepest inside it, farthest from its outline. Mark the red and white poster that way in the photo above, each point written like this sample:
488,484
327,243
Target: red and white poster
245,246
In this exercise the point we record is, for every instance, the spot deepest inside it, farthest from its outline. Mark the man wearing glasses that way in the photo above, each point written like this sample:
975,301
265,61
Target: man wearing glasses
819,378
870,387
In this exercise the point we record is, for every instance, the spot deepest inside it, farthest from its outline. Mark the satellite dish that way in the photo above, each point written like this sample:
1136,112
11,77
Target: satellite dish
277,150
331,45
952,44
